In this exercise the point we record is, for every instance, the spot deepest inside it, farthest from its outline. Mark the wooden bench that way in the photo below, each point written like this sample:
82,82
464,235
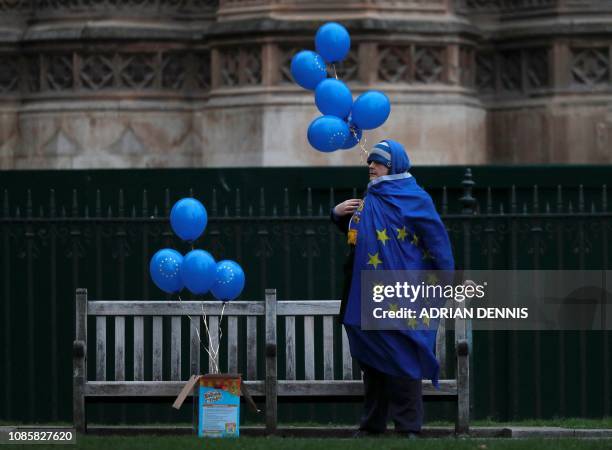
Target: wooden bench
270,387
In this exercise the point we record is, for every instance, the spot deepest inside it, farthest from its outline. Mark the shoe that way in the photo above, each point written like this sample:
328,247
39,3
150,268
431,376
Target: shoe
410,434
365,434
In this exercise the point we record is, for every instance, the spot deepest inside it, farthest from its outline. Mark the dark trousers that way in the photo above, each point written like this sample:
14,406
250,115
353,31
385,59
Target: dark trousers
386,396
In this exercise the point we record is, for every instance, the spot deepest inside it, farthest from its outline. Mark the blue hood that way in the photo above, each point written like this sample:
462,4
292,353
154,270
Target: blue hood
399,159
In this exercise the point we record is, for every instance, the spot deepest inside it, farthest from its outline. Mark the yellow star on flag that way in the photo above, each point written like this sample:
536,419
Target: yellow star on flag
393,307
431,278
415,239
382,236
374,260
412,322
401,233
425,321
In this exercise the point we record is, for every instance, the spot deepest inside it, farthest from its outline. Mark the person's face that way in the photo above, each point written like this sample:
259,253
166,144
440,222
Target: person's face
377,169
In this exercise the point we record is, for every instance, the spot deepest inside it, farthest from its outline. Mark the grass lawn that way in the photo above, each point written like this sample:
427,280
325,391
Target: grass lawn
182,442
246,443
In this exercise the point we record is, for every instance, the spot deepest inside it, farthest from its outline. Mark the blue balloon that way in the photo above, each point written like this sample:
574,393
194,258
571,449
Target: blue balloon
327,133
332,42
370,110
165,270
188,219
229,281
354,137
308,69
198,271
333,98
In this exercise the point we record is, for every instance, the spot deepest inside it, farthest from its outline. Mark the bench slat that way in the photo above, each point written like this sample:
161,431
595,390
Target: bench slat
213,328
251,348
290,347
150,388
232,344
158,324
173,308
119,348
309,367
194,345
138,348
328,348
307,307
351,388
175,348
286,388
235,308
101,348
347,359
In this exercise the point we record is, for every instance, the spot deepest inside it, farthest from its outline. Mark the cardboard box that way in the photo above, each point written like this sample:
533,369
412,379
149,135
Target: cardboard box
218,401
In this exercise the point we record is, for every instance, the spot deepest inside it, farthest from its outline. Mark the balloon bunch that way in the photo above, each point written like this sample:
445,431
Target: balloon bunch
197,270
343,121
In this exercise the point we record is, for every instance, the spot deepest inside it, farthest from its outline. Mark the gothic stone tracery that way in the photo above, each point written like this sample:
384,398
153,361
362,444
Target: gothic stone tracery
182,50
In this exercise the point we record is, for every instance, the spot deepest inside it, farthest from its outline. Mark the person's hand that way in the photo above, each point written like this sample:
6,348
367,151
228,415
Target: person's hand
347,207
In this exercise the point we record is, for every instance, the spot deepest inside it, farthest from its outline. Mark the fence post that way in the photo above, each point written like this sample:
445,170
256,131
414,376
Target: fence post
271,376
463,337
79,362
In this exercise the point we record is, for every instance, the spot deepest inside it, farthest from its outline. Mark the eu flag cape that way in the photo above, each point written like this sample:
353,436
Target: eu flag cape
398,228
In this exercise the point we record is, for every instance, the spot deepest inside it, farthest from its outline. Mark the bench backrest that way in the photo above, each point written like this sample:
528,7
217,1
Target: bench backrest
305,323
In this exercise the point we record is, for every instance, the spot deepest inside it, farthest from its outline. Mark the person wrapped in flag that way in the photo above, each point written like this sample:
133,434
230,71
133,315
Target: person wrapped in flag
394,227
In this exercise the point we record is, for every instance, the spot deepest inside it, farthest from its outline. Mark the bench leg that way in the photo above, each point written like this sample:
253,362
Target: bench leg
462,425
78,387
271,405
79,362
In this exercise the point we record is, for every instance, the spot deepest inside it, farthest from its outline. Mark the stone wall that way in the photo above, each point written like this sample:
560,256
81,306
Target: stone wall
200,83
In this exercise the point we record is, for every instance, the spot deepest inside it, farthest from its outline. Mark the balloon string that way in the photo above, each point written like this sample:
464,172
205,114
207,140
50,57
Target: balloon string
196,327
215,366
216,352
364,150
213,353
191,320
362,145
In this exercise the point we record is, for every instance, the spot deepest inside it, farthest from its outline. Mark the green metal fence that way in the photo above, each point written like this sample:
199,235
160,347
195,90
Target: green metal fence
97,229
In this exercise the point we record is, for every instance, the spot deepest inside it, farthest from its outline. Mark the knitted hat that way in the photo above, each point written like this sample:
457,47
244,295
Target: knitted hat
381,153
